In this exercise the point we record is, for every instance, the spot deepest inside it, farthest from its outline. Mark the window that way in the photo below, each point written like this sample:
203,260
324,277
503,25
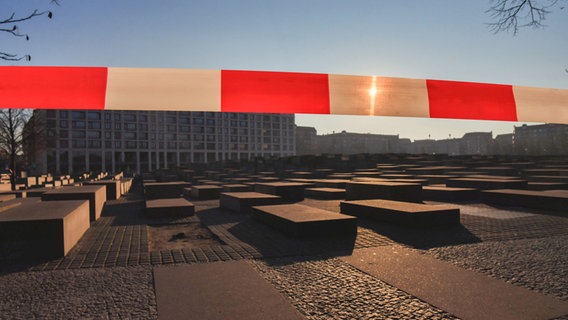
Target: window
79,124
62,124
94,144
94,125
93,134
77,134
130,126
78,115
93,115
78,143
63,114
130,135
129,117
64,134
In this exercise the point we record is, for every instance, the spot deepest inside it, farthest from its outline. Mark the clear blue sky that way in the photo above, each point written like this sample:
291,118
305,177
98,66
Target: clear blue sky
437,39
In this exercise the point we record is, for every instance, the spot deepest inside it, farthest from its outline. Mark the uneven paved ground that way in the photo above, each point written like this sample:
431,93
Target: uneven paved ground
108,275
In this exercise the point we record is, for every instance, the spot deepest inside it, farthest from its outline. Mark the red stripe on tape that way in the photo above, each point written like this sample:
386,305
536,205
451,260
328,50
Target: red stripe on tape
53,87
274,92
468,100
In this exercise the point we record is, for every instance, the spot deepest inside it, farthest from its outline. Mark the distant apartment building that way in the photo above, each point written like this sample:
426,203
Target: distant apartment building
308,142
544,139
476,143
74,141
503,144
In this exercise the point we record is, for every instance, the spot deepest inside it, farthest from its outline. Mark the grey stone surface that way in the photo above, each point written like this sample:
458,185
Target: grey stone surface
464,293
328,288
103,293
538,264
227,290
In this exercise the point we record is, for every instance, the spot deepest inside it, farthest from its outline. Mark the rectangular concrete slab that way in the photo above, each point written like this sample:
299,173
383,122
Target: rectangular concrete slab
218,291
546,200
160,190
236,188
486,183
289,191
47,229
303,221
205,192
243,201
443,193
404,213
325,193
113,188
400,191
95,194
463,293
175,207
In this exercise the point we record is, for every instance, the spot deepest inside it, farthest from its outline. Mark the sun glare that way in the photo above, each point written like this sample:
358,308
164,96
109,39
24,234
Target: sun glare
372,94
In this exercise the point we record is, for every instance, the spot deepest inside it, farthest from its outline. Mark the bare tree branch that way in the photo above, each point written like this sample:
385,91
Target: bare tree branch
511,15
10,25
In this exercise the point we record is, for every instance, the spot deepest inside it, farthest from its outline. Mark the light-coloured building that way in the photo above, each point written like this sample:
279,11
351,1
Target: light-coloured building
141,141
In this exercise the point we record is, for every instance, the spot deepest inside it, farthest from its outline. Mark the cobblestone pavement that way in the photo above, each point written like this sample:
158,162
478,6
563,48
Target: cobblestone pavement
332,289
538,264
97,293
108,273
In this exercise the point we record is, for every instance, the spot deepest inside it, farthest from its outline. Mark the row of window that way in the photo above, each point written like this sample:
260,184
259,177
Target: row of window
169,116
97,144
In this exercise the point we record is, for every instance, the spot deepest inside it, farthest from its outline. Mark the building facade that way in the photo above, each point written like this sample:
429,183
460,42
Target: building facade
543,139
141,141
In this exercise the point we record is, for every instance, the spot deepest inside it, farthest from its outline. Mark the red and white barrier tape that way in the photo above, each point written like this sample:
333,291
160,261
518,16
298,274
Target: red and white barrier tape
274,92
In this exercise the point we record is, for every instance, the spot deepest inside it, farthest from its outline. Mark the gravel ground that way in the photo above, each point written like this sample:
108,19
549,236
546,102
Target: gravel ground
332,289
537,264
110,293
